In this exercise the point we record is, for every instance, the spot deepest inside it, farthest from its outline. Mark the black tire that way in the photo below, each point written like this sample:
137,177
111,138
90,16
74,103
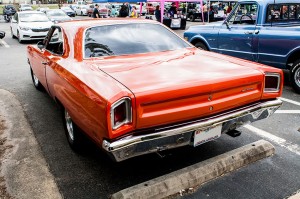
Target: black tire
192,18
19,39
201,46
12,34
73,133
37,84
295,76
81,13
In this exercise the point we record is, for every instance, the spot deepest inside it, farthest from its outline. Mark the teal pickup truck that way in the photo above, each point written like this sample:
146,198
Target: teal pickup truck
264,31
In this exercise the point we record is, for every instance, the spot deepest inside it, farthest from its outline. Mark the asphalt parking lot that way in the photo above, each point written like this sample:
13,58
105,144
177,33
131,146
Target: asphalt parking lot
94,175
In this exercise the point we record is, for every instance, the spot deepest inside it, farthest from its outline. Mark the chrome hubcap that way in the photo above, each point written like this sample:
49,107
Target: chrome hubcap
36,80
69,125
297,76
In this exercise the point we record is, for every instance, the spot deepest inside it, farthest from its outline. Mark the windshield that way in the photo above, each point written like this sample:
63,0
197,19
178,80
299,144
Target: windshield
124,39
25,6
33,17
56,13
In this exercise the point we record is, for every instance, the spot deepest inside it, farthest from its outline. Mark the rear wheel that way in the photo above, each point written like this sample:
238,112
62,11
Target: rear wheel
295,76
37,84
74,136
201,46
192,18
81,13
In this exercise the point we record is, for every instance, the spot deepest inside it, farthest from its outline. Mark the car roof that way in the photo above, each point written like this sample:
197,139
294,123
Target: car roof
70,25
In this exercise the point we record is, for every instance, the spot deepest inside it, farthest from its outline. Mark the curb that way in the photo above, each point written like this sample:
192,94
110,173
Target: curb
197,174
24,168
296,196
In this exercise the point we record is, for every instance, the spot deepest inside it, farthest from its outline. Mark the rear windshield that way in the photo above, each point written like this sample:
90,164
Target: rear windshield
124,39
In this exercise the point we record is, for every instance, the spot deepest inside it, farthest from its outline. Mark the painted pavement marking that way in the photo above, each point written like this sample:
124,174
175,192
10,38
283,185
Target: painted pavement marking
288,111
4,44
290,101
280,141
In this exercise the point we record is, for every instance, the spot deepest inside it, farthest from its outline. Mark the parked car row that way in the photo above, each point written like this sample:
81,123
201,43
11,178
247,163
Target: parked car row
34,25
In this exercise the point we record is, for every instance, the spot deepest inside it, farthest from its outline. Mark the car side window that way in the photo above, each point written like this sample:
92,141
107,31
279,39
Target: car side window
55,42
283,12
244,14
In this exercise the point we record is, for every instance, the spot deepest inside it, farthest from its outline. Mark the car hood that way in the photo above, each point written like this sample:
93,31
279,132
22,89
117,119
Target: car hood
41,25
207,26
181,82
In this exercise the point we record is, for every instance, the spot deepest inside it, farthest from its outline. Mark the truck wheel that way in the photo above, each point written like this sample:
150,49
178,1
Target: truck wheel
37,84
295,76
192,18
201,46
74,136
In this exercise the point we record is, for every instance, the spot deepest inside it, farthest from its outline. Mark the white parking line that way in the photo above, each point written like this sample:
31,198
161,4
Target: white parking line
290,101
288,111
4,43
280,141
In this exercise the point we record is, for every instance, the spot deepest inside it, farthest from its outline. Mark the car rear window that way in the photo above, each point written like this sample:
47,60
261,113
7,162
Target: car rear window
283,13
124,39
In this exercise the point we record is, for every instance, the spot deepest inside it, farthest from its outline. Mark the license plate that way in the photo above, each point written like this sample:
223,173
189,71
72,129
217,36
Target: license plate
202,136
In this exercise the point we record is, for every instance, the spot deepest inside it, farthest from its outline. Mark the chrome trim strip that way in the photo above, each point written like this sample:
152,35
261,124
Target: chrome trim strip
132,146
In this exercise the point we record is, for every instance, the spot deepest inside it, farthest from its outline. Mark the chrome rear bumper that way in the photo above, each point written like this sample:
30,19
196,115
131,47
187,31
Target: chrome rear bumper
173,137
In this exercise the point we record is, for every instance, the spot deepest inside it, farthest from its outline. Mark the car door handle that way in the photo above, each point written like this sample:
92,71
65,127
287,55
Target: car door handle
45,62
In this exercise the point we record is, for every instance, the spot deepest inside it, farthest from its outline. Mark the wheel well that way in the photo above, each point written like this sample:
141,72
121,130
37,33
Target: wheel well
59,104
292,58
199,40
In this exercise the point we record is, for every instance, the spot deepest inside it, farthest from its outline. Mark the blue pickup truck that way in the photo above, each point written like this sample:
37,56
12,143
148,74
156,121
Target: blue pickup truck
264,31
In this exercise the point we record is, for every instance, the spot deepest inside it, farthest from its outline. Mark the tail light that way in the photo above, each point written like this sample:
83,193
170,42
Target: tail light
121,113
272,82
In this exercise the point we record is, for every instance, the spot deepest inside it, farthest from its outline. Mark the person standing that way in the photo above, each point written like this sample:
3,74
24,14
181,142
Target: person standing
123,11
96,12
128,8
157,13
172,10
133,12
113,12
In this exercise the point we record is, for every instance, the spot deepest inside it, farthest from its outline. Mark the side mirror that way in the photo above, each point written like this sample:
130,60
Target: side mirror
40,45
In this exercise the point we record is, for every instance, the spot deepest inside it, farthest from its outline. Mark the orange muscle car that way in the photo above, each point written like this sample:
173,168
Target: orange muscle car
134,87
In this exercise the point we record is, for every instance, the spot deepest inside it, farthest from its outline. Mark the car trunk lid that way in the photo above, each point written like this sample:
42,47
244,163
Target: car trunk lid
177,86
